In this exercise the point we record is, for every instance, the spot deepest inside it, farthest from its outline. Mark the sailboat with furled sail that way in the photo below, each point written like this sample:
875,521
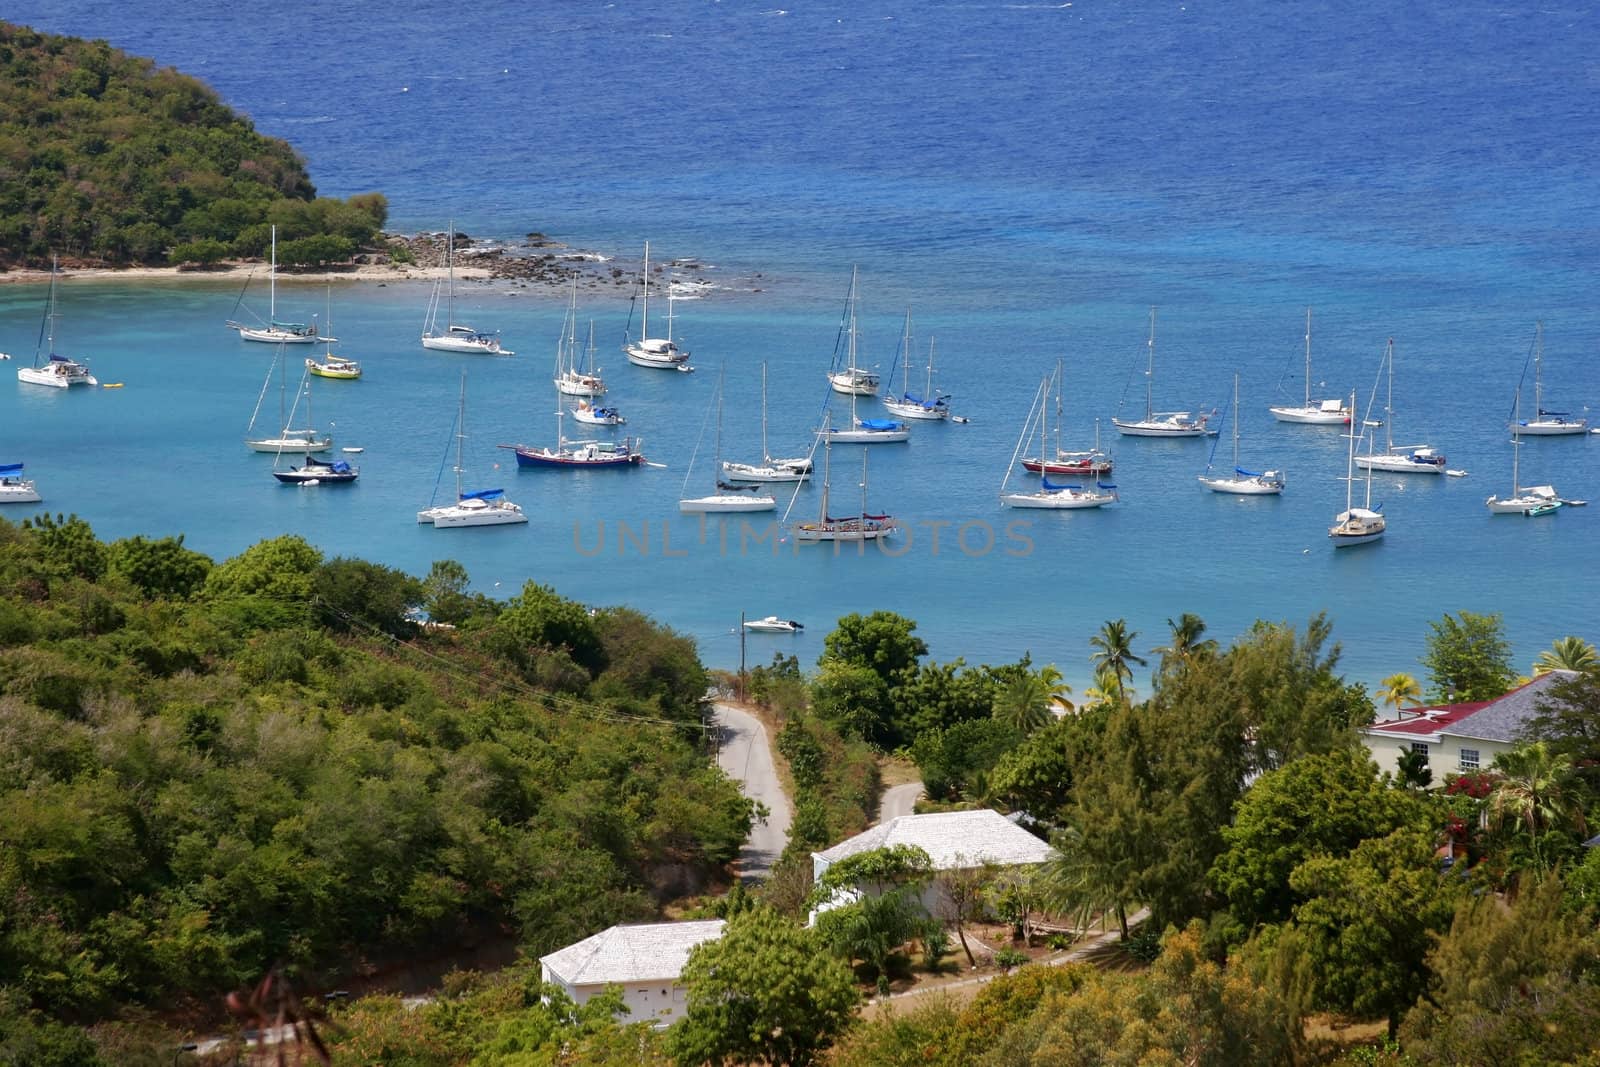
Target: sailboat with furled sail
1241,482
273,331
728,497
662,353
861,527
797,469
49,366
1050,494
480,507
1160,423
455,336
930,406
1547,423
1397,459
288,439
1353,525
1083,463
1312,412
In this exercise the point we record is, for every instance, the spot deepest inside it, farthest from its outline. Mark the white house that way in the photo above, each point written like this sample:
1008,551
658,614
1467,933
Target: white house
953,840
644,961
1459,738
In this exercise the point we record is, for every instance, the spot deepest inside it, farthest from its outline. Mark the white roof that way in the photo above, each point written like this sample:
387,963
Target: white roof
952,839
629,954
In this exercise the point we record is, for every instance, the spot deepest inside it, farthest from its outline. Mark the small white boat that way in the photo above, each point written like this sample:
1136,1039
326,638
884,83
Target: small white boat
1353,525
1049,494
847,378
1313,412
455,337
1547,423
482,507
330,365
862,431
272,331
570,381
50,367
595,415
773,625
1531,501
662,353
288,438
1240,482
728,497
14,488
1398,459
1160,423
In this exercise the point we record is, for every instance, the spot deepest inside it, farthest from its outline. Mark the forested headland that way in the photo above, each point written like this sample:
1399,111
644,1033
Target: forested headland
210,770
106,158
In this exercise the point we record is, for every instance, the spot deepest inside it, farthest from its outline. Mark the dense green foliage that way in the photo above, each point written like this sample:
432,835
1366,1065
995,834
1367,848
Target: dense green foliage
105,156
209,770
1468,657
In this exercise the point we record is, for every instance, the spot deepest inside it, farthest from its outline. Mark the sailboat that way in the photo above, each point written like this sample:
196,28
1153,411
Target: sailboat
1160,423
862,431
1547,423
1353,525
1084,463
862,527
330,365
1241,481
569,380
455,337
314,471
50,367
659,352
273,331
728,497
572,455
481,507
288,439
14,488
1049,494
1318,412
930,405
1401,459
850,379
1534,500
769,469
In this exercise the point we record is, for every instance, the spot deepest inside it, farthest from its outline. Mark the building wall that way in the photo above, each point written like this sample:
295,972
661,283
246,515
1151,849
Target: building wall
662,1002
1445,756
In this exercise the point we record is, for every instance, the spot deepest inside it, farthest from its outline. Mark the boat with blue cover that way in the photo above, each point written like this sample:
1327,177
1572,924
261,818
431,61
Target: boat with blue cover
314,471
14,488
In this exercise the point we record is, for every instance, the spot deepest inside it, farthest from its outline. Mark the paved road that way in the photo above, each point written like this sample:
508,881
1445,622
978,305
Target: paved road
898,800
746,756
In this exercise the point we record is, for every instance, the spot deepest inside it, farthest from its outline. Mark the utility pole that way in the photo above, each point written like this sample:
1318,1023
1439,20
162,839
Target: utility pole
741,657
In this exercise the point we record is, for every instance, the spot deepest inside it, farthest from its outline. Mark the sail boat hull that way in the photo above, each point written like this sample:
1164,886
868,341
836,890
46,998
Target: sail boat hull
908,409
854,383
727,503
1176,425
843,530
776,471
1268,484
1058,499
57,374
587,456
1553,427
281,337
472,343
1081,465
574,384
1312,416
868,437
1421,461
290,444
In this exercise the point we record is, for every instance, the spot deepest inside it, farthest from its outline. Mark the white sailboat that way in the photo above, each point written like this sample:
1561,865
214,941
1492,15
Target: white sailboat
797,469
662,353
930,405
273,331
1240,482
1531,501
570,381
1049,494
1313,412
729,497
1547,423
850,379
1160,423
1399,459
331,366
1085,463
14,488
49,366
1353,525
481,507
455,336
288,438
861,431
862,527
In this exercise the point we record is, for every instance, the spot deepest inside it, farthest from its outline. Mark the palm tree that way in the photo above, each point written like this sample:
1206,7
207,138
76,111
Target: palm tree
1400,689
1027,703
1538,791
1567,654
1107,688
1113,647
1187,642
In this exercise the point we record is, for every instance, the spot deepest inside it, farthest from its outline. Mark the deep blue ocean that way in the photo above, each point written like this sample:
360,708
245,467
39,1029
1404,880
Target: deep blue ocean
1029,179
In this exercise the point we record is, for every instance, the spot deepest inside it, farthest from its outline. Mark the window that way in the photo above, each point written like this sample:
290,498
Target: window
1420,747
1469,759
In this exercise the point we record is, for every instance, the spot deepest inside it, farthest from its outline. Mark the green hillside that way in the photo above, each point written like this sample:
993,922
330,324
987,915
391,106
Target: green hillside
107,157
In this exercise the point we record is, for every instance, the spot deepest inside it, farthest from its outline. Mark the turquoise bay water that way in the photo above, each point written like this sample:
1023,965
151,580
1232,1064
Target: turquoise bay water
1028,180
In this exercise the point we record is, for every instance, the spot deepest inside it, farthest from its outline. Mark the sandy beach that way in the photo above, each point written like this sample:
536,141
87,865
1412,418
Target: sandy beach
366,272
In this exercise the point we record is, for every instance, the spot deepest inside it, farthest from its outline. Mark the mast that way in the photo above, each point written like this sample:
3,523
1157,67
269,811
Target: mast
766,457
927,394
827,466
1388,401
1058,412
1538,370
589,351
450,266
854,422
461,427
1150,370
272,283
1308,365
1044,428
864,453
1235,422
905,348
644,316
716,456
1350,467
1516,440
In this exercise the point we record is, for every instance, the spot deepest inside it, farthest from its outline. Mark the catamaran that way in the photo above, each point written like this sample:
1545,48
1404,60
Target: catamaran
14,488
481,507
49,366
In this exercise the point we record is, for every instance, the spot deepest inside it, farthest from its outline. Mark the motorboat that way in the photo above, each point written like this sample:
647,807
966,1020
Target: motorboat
773,625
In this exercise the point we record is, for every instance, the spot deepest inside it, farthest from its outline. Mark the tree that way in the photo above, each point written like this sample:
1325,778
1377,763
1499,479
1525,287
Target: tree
1468,657
354,595
540,618
1188,641
1367,921
1316,806
1028,702
1037,775
1113,646
963,889
873,928
883,642
1399,690
161,568
1537,793
1509,985
1567,718
1412,767
1567,654
763,992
